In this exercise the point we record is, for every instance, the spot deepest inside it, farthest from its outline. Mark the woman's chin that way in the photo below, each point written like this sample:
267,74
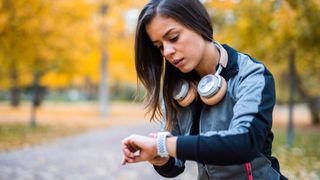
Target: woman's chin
184,70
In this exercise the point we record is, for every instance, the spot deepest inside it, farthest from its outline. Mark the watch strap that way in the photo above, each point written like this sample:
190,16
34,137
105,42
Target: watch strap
161,144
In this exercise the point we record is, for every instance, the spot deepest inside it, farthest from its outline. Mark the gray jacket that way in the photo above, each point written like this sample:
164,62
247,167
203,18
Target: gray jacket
235,137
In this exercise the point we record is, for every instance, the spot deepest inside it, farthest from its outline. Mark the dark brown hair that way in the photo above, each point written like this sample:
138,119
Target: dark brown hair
149,62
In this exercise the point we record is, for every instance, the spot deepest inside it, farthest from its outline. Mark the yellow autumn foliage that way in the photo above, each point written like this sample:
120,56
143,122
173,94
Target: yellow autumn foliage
62,39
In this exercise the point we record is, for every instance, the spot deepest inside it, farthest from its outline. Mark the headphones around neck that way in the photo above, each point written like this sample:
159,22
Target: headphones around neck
211,88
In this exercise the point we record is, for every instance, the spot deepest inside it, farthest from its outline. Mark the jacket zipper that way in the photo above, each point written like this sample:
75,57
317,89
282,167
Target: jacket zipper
249,171
207,171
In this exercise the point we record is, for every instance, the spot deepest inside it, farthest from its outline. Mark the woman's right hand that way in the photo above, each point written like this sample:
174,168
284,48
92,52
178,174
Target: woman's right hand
146,148
138,148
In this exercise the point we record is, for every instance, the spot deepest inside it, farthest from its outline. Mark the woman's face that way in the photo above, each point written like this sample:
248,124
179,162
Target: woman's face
181,46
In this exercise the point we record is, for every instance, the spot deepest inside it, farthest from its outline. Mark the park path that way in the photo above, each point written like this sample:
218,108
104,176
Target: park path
91,156
94,155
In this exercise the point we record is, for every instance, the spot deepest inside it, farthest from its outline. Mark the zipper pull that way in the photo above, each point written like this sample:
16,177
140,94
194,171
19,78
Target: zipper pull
249,171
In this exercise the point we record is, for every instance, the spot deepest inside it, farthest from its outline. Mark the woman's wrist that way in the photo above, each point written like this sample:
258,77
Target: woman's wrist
166,144
161,139
159,161
171,144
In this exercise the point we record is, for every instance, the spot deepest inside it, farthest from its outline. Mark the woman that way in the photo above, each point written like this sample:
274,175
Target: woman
215,103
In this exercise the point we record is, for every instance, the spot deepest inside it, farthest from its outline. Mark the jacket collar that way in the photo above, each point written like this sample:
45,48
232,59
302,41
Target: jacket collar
232,67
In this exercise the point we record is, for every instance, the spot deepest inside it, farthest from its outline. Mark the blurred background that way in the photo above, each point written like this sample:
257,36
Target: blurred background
67,67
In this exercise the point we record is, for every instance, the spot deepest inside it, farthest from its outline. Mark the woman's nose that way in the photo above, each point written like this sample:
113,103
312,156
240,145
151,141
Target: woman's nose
168,50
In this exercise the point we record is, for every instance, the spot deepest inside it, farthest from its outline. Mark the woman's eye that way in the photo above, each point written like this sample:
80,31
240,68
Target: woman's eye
174,39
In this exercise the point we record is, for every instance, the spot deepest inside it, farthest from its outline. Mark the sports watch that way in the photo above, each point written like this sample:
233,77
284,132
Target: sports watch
161,144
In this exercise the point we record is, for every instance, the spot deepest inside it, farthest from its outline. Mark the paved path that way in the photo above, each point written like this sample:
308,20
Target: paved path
91,156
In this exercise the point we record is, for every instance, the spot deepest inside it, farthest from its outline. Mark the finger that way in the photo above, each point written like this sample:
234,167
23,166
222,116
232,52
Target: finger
126,151
123,161
143,156
128,148
138,159
131,160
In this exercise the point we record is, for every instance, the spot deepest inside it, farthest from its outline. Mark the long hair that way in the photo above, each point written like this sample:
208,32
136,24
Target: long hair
149,62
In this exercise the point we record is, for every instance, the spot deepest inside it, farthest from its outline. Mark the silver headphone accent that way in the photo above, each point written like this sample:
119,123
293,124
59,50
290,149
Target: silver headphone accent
210,84
179,94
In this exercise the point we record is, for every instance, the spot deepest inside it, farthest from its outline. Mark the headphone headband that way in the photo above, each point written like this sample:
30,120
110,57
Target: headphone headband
223,54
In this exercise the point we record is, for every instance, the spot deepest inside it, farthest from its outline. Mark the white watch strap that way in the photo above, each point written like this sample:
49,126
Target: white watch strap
161,144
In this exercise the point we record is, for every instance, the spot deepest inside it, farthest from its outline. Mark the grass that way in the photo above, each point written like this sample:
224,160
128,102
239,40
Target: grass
302,159
17,135
56,120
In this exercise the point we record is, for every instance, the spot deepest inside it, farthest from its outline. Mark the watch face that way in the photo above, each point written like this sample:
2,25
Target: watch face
208,85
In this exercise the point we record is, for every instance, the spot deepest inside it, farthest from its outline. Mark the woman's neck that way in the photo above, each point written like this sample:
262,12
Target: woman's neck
209,61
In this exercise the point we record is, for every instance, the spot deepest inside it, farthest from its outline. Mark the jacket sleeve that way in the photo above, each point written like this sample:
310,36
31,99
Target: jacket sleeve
174,166
249,129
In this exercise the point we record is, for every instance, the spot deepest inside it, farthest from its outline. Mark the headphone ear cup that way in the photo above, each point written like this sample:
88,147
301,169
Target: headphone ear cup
191,95
185,93
216,93
216,98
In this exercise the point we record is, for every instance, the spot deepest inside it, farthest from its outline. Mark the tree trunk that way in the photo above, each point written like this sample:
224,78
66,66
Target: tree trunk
314,107
103,89
291,59
14,90
312,102
14,96
36,98
103,86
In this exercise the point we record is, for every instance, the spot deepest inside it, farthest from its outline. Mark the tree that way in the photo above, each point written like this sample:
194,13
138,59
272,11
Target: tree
274,31
40,36
307,49
10,49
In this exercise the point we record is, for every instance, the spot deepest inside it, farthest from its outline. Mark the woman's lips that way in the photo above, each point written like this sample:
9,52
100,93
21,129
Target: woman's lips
177,62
